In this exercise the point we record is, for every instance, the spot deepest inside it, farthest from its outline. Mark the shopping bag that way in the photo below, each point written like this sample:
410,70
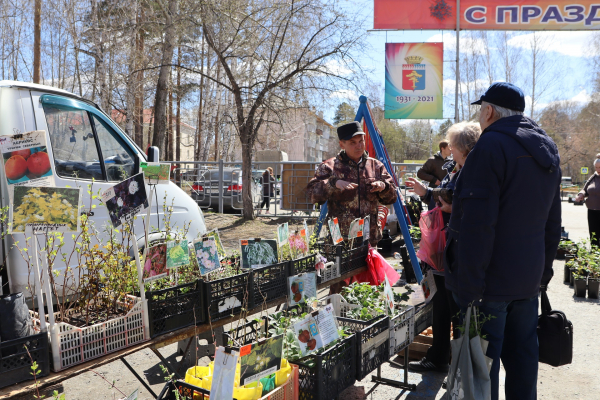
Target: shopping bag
433,238
469,374
377,269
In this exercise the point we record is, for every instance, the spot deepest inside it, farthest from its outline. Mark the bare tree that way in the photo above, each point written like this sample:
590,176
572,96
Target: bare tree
542,72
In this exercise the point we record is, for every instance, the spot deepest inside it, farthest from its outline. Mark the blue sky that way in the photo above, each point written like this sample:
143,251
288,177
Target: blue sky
568,53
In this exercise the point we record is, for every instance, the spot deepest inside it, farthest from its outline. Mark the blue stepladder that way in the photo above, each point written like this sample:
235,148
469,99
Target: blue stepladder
364,113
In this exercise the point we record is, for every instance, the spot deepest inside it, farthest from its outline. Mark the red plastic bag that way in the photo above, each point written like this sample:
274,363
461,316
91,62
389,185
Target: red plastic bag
377,269
433,238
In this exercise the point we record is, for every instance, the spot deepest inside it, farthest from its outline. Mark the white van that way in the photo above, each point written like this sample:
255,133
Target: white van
83,144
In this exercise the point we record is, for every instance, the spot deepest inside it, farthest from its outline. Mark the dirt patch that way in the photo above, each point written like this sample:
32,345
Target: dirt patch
232,228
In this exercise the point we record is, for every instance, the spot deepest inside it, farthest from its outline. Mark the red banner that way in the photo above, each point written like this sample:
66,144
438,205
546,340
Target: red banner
487,14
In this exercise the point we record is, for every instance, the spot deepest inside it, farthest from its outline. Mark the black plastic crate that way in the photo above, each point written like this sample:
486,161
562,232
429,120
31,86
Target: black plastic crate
15,363
269,283
324,376
176,307
321,376
372,343
227,296
349,258
304,264
423,317
186,392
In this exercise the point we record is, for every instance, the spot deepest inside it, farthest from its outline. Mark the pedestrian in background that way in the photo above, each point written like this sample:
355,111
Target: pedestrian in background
591,190
268,188
432,171
504,232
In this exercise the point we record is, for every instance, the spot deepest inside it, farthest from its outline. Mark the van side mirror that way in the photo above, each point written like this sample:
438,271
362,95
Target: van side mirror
153,154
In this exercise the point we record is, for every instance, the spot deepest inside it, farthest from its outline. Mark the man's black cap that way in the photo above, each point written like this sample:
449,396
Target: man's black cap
348,131
505,95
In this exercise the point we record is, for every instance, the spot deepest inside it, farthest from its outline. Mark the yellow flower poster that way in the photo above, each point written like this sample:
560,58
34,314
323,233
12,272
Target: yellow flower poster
45,209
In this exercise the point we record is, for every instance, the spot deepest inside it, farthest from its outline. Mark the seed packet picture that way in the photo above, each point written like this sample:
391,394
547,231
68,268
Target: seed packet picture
156,173
206,255
125,199
258,253
25,159
260,360
301,287
334,228
177,253
220,249
155,266
307,334
297,241
283,234
356,228
46,209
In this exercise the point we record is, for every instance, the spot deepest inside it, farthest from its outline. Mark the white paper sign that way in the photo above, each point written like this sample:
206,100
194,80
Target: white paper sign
327,324
428,286
223,374
388,295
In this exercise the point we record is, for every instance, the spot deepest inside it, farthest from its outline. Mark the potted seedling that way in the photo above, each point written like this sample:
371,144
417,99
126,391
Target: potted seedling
580,282
594,280
565,247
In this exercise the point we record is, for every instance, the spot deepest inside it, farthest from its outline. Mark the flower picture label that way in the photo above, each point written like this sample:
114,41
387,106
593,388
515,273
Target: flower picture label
207,255
298,244
258,253
26,161
301,287
156,173
215,235
260,359
283,234
155,266
125,199
177,253
45,209
334,228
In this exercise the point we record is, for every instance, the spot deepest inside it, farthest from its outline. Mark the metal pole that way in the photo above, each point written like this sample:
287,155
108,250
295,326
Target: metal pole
456,119
221,186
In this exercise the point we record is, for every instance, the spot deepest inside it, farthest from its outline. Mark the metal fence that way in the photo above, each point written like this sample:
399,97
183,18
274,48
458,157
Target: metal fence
217,185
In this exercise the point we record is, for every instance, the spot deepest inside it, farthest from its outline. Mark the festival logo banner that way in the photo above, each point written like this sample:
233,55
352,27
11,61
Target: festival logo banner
413,80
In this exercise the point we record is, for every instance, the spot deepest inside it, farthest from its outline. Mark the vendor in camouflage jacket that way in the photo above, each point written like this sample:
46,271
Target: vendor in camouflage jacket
352,183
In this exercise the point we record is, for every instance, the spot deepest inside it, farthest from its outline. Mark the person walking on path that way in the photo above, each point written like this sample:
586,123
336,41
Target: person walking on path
432,171
501,247
268,188
461,138
591,190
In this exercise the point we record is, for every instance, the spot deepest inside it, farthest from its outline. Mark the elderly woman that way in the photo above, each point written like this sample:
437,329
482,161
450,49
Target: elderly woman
462,138
591,190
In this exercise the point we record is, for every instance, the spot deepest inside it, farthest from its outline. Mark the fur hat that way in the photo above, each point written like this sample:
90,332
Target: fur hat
348,131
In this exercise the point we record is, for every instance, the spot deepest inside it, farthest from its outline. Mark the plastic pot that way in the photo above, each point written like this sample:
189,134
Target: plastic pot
567,275
593,288
579,287
571,276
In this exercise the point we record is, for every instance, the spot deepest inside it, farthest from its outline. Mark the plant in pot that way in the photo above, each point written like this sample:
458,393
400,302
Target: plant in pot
565,247
594,280
580,281
570,266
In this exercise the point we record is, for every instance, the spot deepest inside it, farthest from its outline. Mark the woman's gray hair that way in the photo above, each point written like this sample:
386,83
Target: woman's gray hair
463,136
501,111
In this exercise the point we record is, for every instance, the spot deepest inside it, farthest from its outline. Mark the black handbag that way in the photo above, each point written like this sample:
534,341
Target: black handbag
555,335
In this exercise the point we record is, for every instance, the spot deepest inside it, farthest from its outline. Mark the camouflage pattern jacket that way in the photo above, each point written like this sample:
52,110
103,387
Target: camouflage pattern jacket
348,205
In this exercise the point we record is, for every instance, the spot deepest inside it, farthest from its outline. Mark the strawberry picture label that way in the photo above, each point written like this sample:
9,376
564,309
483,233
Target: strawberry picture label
301,287
316,330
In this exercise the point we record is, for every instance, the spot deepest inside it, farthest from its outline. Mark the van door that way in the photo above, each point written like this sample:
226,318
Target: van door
86,149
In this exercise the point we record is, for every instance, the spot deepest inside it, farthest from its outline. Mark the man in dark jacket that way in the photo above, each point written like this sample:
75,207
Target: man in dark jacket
503,234
432,171
353,183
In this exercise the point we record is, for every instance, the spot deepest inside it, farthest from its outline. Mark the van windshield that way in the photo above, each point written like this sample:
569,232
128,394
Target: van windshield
85,147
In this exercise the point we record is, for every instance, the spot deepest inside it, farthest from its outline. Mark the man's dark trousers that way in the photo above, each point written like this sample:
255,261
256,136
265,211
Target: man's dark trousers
512,337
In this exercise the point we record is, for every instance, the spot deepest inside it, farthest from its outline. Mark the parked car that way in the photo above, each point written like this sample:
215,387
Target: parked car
205,190
86,149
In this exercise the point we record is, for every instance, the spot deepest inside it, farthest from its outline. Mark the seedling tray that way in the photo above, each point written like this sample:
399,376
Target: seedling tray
228,296
320,376
15,363
269,283
304,264
348,259
176,307
373,343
